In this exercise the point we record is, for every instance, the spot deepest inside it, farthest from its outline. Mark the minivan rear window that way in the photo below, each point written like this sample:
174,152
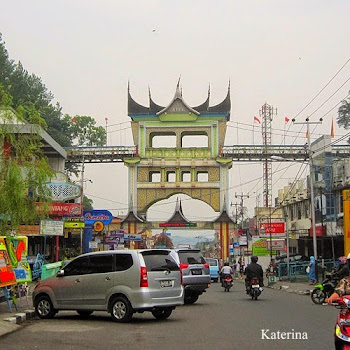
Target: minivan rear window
191,257
212,262
159,260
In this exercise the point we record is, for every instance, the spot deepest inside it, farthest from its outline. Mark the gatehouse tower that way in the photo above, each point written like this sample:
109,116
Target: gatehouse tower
156,173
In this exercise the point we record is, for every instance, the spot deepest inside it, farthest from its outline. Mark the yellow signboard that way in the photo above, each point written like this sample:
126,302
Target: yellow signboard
346,210
74,224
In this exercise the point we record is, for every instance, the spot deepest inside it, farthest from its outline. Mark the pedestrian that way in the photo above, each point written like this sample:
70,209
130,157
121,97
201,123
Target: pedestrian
235,268
241,264
312,270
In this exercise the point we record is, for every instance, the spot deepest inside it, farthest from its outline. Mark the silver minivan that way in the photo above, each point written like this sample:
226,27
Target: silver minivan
120,282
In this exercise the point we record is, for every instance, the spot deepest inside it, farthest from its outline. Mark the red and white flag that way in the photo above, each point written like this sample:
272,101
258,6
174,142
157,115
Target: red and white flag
106,119
256,119
286,119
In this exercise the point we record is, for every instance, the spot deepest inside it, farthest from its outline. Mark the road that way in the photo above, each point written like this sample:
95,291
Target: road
218,321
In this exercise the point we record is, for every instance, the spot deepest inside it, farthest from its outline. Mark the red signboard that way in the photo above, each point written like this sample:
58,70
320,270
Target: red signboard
62,209
320,230
273,228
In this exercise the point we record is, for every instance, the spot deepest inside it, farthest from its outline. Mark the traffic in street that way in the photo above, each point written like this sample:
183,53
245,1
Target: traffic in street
218,320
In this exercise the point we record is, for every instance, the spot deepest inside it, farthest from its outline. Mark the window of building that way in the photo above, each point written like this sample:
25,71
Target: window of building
194,140
202,176
186,176
171,176
154,176
164,140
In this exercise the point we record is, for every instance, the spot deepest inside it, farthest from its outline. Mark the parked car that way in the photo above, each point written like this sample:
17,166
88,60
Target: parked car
195,273
120,282
213,268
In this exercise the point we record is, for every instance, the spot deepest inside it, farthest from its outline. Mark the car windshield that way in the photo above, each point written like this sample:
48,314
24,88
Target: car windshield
191,257
212,262
159,260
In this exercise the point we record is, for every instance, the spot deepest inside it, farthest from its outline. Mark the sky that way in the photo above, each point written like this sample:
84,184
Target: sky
278,52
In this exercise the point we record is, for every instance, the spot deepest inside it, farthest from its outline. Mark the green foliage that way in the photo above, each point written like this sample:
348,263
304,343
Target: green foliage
344,114
23,173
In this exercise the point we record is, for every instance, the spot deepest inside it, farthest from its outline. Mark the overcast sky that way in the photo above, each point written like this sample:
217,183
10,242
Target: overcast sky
279,52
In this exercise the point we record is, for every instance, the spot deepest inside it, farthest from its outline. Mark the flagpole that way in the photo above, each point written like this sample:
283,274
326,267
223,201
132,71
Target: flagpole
106,120
253,135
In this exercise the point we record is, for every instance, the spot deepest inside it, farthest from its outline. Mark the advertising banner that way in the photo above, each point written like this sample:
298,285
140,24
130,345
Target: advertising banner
92,216
132,237
51,227
259,248
277,244
61,209
346,211
7,276
277,229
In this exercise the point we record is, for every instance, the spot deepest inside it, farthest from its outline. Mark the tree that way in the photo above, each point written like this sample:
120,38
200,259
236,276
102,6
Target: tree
163,240
344,114
23,174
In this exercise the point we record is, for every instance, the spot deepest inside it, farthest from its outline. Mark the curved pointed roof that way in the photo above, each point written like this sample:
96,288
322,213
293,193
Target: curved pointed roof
178,103
178,216
224,106
223,217
131,217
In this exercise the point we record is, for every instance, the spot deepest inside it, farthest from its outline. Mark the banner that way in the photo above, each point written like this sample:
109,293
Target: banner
276,229
7,276
346,218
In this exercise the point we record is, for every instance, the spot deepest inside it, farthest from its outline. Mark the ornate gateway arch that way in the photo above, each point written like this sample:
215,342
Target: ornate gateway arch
158,173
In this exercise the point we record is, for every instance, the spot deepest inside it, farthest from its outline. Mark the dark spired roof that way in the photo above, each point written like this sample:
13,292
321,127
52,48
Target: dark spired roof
223,217
224,106
131,217
203,108
135,108
153,107
178,216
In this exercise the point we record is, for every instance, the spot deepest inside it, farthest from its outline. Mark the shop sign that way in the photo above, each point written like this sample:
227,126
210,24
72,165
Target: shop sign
277,244
132,237
273,228
93,245
92,216
319,231
61,209
259,247
243,240
115,237
51,227
69,224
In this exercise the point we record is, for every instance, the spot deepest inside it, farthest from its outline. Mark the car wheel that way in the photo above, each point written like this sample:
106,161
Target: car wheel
44,307
162,313
85,313
191,298
318,296
121,310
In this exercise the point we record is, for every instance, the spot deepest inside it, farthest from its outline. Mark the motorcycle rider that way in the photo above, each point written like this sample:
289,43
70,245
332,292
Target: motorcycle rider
253,270
343,268
226,270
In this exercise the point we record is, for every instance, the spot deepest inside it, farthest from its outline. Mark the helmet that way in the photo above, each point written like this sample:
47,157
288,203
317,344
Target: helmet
254,259
342,260
226,264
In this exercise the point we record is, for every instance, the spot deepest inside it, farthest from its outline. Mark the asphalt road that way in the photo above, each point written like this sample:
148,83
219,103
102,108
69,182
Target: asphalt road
218,320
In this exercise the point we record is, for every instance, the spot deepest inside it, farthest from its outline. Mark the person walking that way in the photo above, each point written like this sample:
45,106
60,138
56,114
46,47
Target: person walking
235,268
312,270
241,264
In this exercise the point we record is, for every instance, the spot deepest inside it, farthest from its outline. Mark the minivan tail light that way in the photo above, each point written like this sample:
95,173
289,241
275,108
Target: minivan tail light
183,266
206,265
143,277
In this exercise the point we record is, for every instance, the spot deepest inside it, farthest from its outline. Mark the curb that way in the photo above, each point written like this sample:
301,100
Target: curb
21,317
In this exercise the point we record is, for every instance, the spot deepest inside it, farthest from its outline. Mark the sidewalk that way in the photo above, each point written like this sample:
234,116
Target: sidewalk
11,321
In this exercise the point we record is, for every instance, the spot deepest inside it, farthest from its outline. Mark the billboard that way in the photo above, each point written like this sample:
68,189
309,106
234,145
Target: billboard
276,229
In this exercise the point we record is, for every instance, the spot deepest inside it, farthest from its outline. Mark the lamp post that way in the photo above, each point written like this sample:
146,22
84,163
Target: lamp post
313,223
82,202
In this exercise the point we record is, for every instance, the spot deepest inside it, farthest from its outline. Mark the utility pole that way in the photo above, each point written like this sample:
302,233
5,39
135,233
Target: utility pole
314,237
236,210
242,196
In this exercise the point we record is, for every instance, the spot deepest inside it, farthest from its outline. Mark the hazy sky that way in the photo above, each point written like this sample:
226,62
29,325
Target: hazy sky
279,52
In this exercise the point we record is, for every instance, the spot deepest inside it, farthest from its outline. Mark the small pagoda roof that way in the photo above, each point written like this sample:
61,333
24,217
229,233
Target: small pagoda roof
178,216
131,217
223,217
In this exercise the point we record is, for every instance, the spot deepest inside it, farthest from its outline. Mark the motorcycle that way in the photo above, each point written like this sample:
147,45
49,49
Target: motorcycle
342,325
227,283
255,289
324,290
